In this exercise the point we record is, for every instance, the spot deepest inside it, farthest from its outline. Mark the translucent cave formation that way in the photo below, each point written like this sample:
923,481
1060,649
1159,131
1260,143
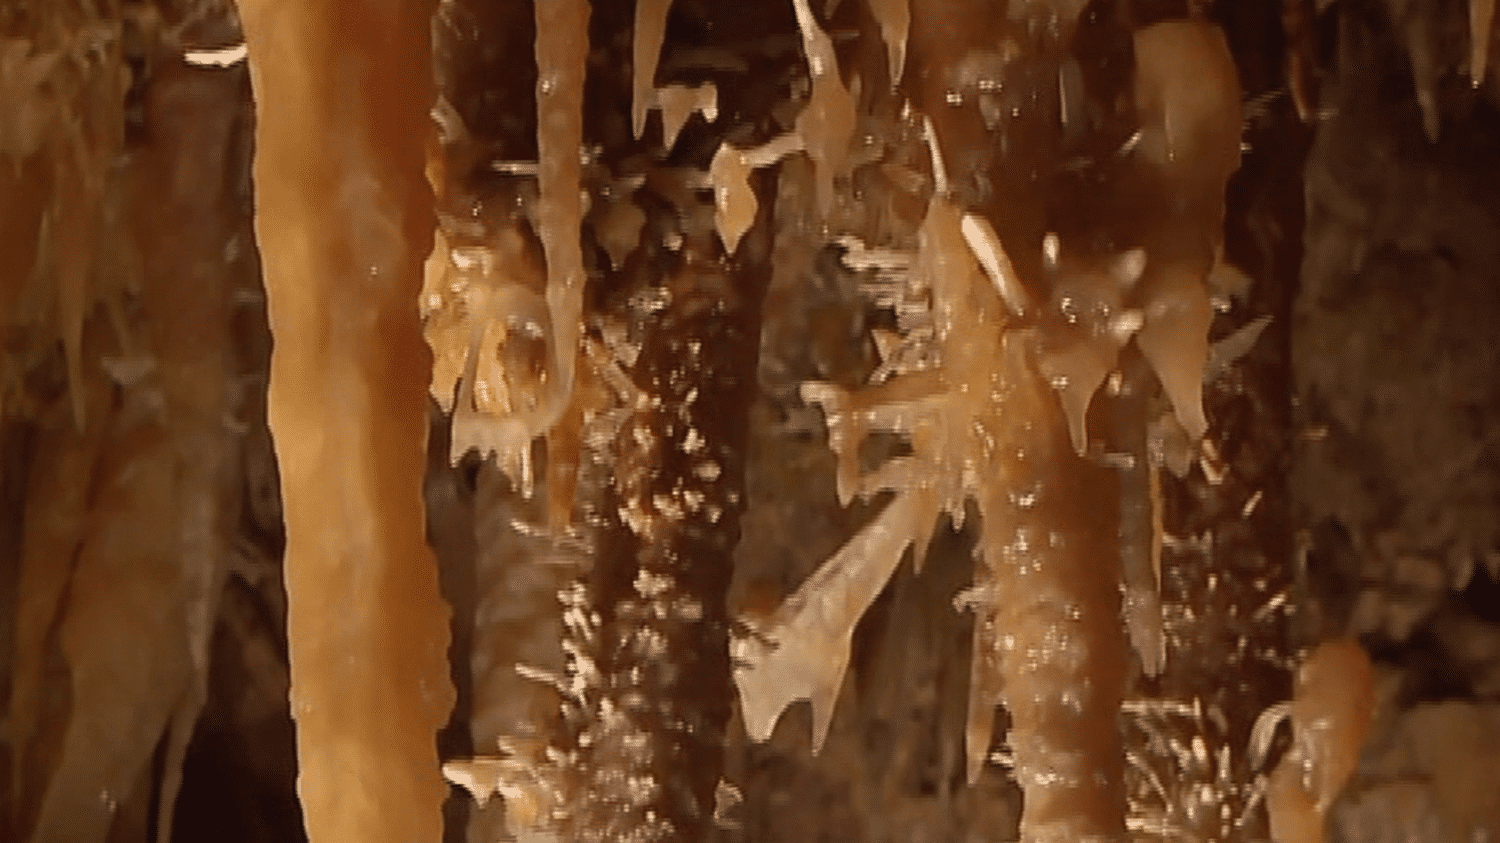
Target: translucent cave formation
474,420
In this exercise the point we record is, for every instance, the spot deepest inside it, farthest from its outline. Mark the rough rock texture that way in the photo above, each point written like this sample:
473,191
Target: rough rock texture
1397,468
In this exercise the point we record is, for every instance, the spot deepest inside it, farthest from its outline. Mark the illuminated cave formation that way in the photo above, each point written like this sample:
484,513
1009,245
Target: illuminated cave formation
490,419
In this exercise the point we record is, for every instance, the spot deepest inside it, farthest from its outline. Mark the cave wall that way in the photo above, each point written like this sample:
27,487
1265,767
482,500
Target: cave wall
1395,470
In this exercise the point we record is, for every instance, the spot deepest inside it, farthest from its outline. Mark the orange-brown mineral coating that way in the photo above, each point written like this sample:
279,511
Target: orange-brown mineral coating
649,33
1054,637
562,47
1331,716
1331,713
344,220
1059,637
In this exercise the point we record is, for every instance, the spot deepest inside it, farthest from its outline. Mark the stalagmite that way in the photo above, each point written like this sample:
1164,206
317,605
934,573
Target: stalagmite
1330,714
1059,646
648,683
344,220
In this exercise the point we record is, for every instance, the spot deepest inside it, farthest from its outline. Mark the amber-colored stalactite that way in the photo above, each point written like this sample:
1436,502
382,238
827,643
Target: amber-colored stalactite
344,220
562,47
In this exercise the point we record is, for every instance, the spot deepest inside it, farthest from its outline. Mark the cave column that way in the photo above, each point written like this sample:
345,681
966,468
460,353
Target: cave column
344,220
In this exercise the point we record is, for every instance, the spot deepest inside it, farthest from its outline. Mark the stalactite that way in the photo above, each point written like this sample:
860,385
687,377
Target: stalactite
344,220
1298,19
894,19
562,48
649,33
812,628
679,102
1083,328
1139,517
826,123
1187,93
735,204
